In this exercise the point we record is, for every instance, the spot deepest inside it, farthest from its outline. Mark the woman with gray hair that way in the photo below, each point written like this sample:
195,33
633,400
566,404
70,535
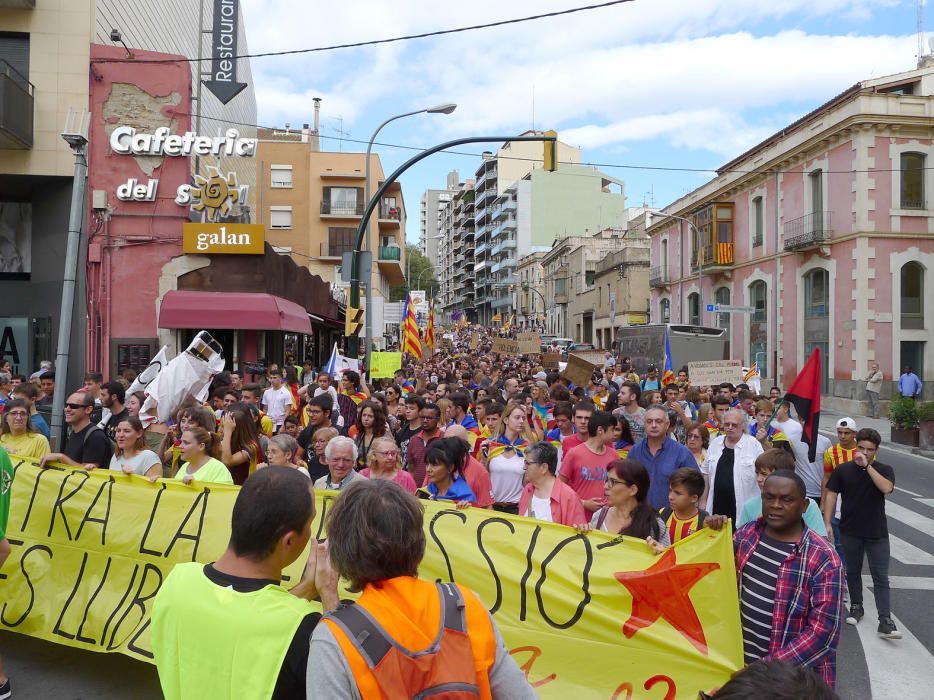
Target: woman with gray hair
341,456
282,451
439,636
545,497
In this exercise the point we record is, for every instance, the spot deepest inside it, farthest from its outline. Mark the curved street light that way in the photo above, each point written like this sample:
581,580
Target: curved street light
445,108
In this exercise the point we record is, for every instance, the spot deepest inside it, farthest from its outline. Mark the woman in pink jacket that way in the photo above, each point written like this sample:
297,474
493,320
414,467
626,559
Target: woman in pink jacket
545,497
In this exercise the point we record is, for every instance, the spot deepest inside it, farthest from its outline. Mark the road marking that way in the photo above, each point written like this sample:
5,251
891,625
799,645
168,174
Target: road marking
926,501
909,517
910,583
910,493
898,668
907,553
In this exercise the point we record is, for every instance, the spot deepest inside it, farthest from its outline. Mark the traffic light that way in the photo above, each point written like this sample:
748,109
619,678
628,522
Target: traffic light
551,151
354,322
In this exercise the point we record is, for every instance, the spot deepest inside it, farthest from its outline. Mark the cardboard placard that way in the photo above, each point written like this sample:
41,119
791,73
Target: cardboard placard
550,360
530,343
384,364
505,346
578,370
715,372
594,357
474,341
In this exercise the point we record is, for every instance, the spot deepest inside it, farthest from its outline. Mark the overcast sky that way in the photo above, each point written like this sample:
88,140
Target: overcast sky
668,83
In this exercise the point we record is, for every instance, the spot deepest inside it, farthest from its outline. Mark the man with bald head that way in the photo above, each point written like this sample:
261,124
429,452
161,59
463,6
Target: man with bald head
660,454
729,468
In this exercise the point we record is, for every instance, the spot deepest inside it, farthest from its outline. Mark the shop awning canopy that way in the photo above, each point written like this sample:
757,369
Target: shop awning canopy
232,310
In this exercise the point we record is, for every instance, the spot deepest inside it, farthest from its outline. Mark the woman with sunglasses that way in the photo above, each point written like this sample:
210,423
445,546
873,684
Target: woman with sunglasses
131,455
17,434
385,462
627,511
697,441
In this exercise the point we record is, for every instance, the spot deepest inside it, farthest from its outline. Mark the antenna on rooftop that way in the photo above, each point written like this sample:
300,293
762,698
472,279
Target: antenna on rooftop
920,19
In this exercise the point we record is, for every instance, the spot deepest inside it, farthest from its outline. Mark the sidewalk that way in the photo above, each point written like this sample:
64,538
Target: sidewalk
828,422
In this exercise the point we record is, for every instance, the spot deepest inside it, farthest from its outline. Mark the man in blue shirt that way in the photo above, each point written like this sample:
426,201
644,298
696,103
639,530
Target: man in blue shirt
660,455
909,384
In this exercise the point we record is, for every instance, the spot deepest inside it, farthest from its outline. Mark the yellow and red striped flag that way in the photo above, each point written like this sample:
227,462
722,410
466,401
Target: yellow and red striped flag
410,339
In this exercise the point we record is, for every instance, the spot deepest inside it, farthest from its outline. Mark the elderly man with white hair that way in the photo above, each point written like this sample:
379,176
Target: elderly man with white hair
730,467
341,456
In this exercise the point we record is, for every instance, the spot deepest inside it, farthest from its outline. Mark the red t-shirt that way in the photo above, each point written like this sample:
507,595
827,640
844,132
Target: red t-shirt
570,442
585,471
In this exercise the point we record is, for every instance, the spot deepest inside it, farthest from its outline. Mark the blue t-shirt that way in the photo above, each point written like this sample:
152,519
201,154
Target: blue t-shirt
38,422
752,509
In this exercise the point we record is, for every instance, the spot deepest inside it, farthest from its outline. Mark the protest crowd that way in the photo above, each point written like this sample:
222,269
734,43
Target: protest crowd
650,456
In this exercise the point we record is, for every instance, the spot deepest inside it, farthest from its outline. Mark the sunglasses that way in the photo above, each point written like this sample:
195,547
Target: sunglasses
75,406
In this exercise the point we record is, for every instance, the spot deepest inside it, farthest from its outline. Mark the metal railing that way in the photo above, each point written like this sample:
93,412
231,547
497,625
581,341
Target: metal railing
807,231
334,250
349,209
387,252
658,277
17,107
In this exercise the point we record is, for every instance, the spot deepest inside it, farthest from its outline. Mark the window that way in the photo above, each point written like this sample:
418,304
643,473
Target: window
340,240
912,186
912,293
758,325
280,176
664,260
722,296
694,309
342,201
816,183
757,222
14,49
816,291
280,217
590,277
664,307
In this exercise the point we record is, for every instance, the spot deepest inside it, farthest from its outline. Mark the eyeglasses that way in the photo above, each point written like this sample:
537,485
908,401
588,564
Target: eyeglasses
17,414
530,464
611,482
75,406
730,425
694,437
389,453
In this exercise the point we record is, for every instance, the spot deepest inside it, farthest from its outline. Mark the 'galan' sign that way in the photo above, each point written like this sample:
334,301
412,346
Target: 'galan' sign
229,239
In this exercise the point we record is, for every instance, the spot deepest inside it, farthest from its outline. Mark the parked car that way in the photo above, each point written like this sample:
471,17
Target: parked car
572,347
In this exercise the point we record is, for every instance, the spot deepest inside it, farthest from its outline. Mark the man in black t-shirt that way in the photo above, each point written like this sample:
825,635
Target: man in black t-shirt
413,425
87,445
319,416
864,483
113,396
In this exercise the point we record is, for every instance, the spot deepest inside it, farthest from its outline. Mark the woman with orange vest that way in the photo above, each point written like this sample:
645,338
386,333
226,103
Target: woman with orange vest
404,637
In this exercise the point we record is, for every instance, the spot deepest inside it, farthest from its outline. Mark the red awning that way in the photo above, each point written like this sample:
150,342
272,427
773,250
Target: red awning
232,310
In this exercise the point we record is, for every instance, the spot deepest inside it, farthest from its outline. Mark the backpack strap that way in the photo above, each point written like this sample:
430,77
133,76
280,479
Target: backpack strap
665,513
368,637
701,516
601,517
453,615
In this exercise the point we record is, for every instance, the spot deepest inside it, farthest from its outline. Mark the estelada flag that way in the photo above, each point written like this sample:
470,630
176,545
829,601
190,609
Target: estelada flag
804,395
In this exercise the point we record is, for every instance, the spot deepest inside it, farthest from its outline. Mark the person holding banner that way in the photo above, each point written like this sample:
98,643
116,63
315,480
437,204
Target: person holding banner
505,458
228,629
376,541
6,484
17,435
385,462
545,497
87,445
445,481
196,445
131,455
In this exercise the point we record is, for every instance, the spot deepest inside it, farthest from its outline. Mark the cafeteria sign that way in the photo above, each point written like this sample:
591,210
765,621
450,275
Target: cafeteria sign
229,239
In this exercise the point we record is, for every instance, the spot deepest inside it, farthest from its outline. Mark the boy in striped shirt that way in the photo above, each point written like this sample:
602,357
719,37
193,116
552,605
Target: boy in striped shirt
682,516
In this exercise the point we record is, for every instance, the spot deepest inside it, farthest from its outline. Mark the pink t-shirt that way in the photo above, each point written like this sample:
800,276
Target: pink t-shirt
585,471
403,478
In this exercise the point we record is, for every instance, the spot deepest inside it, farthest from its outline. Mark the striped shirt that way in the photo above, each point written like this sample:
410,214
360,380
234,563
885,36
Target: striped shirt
757,595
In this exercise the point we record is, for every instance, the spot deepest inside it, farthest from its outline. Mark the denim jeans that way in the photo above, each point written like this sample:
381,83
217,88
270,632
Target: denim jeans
877,551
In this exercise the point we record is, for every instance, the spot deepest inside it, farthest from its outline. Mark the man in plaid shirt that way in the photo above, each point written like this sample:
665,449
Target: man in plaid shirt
790,582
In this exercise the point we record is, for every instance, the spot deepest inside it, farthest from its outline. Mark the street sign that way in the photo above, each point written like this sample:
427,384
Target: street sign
729,309
223,82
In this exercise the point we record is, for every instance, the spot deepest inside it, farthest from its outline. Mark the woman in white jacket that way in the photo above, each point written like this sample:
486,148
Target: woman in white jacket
730,467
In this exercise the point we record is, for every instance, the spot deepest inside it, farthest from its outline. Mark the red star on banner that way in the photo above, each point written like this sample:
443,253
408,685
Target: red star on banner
662,591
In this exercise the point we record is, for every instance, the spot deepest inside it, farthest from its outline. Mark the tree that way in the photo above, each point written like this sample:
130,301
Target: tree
421,274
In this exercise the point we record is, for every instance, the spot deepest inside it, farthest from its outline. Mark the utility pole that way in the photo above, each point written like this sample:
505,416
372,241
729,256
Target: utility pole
78,142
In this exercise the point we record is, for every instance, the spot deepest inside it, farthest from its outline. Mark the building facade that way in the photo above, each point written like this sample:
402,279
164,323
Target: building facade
456,253
825,231
619,295
431,213
531,291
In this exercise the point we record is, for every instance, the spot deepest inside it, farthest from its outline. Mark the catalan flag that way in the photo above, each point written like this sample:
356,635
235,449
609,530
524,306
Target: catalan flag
668,374
753,372
430,331
410,340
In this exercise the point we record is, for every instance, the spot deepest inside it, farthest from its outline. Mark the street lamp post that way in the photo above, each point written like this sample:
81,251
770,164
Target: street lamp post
529,288
700,261
368,314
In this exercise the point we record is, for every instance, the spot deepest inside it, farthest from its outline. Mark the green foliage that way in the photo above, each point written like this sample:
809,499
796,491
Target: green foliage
421,274
926,411
904,413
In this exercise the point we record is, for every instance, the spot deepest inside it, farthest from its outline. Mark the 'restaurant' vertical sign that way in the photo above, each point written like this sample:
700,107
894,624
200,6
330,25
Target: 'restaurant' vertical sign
223,82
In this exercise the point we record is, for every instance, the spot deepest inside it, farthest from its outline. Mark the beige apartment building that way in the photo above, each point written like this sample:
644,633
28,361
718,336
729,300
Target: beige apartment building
312,202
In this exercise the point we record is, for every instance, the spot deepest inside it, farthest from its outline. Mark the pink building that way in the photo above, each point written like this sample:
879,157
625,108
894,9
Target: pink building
825,229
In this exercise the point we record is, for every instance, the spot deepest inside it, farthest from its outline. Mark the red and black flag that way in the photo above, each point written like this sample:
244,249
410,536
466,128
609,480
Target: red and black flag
804,395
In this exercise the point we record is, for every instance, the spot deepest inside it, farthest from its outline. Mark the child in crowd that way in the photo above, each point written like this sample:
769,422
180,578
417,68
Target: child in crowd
766,463
682,516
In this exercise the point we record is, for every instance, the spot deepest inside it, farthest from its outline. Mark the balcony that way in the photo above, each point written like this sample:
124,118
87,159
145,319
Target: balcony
389,214
658,277
480,249
16,109
810,231
714,255
510,206
500,302
334,251
503,265
508,244
390,264
342,210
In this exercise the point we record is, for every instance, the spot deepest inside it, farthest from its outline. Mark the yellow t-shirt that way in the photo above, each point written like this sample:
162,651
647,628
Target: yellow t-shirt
211,471
32,445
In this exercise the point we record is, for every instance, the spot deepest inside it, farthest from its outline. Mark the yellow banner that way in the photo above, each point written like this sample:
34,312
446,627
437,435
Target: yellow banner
584,616
384,364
